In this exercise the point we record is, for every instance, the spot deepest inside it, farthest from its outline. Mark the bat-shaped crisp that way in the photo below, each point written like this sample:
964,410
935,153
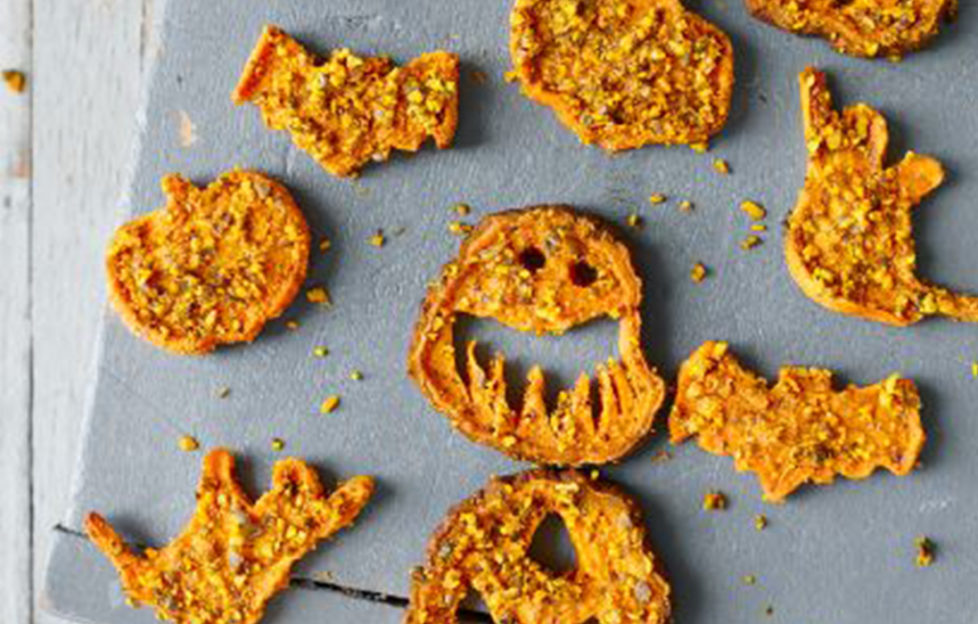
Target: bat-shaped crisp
233,556
346,111
800,429
850,243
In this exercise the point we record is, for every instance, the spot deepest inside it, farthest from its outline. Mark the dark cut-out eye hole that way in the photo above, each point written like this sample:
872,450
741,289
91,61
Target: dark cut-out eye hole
532,259
583,274
552,547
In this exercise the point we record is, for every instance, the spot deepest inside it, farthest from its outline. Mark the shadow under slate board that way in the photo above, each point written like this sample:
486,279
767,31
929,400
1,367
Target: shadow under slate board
841,554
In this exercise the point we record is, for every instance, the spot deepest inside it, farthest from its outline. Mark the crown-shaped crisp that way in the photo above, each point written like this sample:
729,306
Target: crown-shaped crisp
233,556
800,429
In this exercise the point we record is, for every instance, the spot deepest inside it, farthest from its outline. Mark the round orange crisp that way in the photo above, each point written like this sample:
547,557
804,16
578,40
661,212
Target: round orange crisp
482,546
624,73
544,269
212,266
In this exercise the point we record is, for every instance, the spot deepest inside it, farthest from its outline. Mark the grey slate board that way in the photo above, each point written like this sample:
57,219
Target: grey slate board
841,554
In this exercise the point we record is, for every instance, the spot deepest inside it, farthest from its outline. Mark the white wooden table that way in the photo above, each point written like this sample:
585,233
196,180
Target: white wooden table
64,150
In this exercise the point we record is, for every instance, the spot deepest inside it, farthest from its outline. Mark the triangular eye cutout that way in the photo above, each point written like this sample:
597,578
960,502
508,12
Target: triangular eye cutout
552,547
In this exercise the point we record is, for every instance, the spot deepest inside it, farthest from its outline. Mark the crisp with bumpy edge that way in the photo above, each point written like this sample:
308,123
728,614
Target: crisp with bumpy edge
233,557
624,73
799,430
213,266
482,546
544,269
346,111
850,243
867,28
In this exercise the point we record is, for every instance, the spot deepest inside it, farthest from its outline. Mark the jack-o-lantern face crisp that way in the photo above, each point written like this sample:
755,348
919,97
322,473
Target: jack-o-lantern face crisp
543,269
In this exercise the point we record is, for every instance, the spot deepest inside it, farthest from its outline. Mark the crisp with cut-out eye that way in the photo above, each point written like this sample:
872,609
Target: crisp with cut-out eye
485,546
545,270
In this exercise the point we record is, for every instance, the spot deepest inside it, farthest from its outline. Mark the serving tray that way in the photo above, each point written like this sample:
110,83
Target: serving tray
841,554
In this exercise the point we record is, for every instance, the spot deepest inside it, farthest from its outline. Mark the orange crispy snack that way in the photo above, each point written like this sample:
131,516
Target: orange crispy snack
799,430
850,240
867,28
544,269
624,73
346,110
213,266
482,546
233,557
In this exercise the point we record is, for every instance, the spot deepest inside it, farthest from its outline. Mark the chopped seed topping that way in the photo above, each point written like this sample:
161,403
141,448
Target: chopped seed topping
278,444
657,198
188,443
760,522
698,272
356,375
753,210
329,404
686,205
320,351
750,242
721,166
377,240
758,227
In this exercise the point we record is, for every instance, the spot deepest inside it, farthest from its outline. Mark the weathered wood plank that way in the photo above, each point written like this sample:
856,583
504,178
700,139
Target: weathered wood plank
15,313
88,59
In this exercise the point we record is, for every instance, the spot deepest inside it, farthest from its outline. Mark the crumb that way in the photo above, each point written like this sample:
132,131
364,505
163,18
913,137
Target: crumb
686,205
223,392
462,210
714,501
329,404
325,244
758,227
278,444
15,80
377,240
749,579
760,522
753,210
356,375
188,443
292,325
318,295
698,272
458,228
769,610
925,552
320,351
701,147
657,198
974,369
634,220
721,166
750,242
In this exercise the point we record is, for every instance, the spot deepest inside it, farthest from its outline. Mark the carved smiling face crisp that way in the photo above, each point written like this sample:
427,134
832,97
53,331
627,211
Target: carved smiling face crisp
546,270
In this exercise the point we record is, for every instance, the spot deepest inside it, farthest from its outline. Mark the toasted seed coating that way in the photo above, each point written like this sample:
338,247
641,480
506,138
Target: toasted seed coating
233,556
867,28
800,429
212,266
482,546
544,269
346,111
624,73
850,243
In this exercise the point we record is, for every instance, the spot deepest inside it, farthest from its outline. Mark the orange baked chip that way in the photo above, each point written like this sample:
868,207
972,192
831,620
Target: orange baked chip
482,547
799,430
233,556
213,266
850,243
868,28
544,269
624,73
346,111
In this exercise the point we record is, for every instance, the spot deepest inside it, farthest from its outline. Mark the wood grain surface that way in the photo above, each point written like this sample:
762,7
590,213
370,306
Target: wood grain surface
64,154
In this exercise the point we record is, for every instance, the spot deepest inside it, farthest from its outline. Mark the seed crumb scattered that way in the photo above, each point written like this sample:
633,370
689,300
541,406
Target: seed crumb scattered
329,404
758,227
278,444
325,244
721,166
686,205
462,210
189,443
750,242
458,228
377,240
700,148
749,579
925,552
356,375
223,392
974,369
318,295
320,351
760,522
698,272
292,325
15,80
753,210
634,220
657,198
714,501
